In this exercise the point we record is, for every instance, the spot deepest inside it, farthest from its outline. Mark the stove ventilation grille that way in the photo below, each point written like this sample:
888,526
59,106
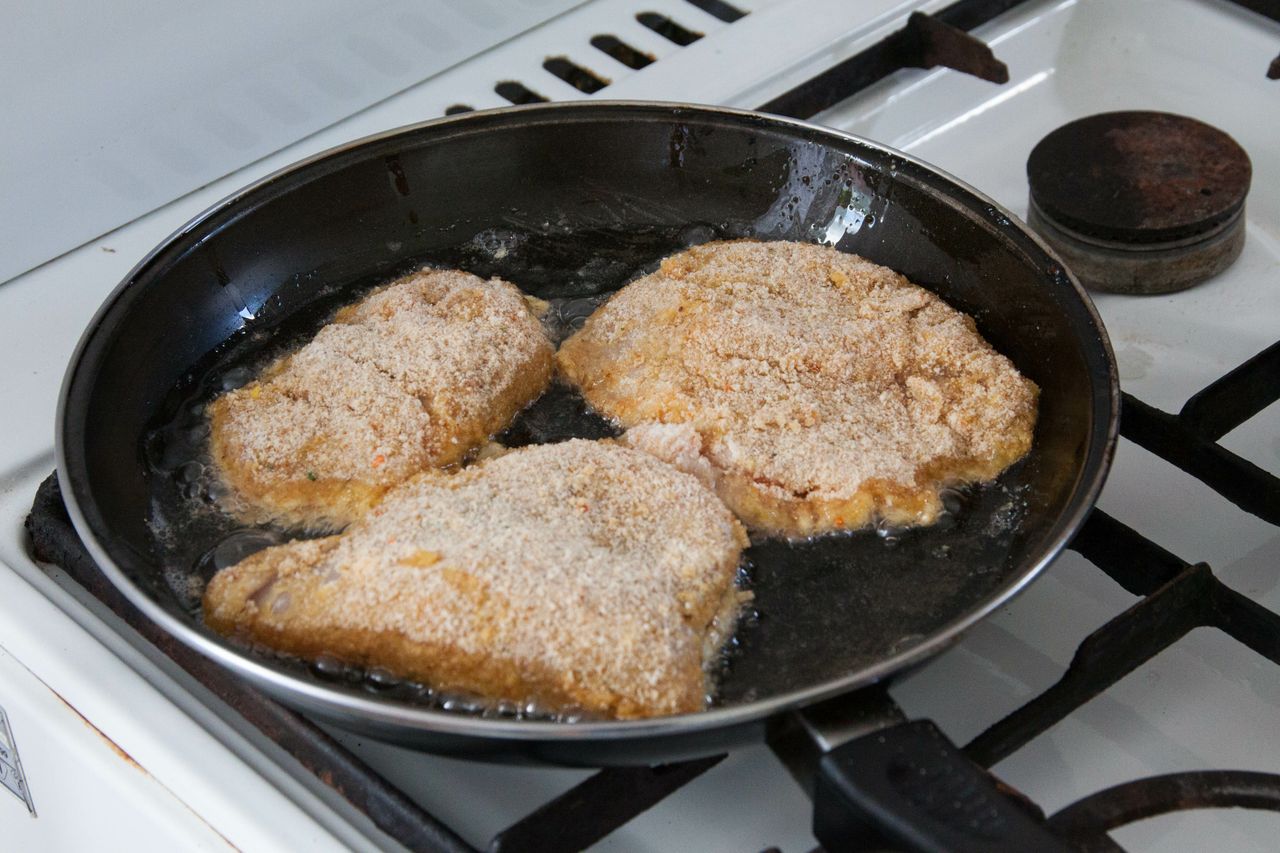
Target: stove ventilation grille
581,76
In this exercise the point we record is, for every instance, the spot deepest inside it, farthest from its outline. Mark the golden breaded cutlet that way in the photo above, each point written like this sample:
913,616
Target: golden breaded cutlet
581,574
811,389
415,375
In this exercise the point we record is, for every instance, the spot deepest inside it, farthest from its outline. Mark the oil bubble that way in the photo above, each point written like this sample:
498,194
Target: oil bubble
189,472
236,377
696,234
329,668
235,547
378,679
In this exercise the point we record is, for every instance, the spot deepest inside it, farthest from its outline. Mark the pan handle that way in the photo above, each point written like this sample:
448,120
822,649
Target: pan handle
909,786
879,782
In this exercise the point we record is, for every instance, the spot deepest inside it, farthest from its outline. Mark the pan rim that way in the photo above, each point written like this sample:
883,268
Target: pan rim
320,698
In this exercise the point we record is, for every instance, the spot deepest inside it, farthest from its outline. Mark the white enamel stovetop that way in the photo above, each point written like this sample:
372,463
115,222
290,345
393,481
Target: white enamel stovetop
118,754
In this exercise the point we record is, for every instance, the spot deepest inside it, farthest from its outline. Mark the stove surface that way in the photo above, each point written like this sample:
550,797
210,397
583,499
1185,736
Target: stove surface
1205,702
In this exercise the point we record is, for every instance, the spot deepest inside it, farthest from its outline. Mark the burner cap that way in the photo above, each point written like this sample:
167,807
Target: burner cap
1138,177
1140,202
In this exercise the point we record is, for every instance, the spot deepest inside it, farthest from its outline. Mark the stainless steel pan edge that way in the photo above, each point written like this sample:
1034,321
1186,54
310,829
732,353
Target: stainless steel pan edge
644,740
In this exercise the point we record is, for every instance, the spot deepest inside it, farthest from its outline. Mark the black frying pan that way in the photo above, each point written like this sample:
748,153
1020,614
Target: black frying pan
569,201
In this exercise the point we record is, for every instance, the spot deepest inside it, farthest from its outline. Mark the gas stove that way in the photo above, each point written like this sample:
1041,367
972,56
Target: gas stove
1150,648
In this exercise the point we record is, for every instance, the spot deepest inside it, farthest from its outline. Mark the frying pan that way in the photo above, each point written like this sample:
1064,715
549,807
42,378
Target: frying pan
570,201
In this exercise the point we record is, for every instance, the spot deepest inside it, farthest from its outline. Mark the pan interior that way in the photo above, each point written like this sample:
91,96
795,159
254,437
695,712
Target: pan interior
570,206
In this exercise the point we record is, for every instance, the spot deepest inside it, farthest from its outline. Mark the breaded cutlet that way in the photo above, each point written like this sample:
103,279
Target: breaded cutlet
813,390
581,574
415,375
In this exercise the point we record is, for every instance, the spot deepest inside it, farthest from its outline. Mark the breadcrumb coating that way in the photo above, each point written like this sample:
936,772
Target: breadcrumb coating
813,390
580,574
415,375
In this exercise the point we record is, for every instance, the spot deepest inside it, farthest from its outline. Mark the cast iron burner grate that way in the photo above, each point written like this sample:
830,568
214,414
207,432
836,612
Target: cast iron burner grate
1176,596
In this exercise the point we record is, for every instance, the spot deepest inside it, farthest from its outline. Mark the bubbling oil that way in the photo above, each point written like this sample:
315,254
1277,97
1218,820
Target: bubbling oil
194,533
381,682
195,536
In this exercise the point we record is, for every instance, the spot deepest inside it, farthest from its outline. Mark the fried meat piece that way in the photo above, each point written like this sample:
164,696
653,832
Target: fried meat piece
582,574
415,375
811,389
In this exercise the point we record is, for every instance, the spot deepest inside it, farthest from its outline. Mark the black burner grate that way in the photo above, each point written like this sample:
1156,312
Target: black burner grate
1177,597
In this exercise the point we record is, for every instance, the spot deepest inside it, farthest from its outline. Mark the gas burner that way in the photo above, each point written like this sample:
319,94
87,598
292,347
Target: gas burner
1140,202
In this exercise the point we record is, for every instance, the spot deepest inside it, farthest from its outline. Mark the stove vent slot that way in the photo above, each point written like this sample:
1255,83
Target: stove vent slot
518,93
621,51
719,9
668,29
575,75
581,77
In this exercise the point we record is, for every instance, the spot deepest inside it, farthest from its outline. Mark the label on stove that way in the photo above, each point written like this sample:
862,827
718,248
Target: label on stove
11,766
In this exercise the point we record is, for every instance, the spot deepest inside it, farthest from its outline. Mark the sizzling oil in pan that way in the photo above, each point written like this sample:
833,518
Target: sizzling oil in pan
892,586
